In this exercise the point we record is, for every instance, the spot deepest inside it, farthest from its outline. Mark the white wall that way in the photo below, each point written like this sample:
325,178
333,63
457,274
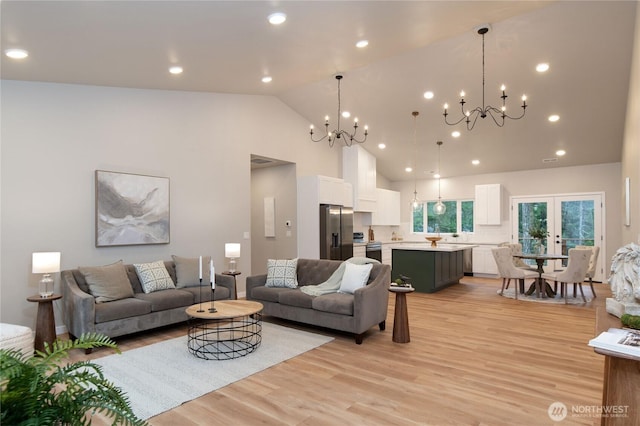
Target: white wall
631,145
562,180
54,137
280,183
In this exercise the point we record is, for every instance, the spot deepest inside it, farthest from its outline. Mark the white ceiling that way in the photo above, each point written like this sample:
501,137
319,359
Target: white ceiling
227,46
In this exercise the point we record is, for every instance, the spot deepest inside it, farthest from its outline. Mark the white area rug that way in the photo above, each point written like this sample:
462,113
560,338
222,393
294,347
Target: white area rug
558,299
164,375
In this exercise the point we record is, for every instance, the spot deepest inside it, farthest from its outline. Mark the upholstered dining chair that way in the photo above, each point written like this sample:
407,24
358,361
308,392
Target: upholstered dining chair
508,271
516,248
574,273
593,263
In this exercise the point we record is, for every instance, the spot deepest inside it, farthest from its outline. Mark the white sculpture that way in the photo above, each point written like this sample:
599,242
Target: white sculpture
625,281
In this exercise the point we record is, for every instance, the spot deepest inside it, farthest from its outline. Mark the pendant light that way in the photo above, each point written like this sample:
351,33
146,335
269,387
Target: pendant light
415,203
439,208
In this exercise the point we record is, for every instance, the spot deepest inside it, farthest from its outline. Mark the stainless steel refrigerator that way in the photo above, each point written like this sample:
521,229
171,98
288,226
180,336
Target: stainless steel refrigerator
336,232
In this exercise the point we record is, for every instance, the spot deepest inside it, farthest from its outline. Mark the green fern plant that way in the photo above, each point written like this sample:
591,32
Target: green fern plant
44,390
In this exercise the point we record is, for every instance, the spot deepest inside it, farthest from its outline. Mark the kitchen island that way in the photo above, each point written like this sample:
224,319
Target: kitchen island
430,268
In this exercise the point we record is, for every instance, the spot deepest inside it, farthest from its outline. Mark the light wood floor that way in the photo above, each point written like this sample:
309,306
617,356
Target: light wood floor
475,358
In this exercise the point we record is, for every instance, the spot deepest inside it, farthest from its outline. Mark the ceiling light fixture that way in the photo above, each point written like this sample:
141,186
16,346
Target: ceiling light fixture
415,203
267,79
455,134
175,69
16,53
553,118
498,115
428,94
475,162
349,138
362,43
439,207
560,152
542,67
382,146
277,18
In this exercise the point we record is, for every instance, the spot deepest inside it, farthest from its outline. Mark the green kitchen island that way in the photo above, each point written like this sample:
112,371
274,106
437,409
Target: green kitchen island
430,268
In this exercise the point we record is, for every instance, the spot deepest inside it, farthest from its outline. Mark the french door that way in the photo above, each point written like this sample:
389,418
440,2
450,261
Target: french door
568,220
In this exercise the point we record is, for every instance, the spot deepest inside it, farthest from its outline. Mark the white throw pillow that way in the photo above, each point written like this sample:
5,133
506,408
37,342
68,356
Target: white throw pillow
354,277
282,273
153,276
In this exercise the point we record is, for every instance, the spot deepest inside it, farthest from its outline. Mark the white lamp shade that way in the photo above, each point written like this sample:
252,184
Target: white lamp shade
232,250
45,262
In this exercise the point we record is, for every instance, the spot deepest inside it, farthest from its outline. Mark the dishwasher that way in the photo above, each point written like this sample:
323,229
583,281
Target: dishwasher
374,250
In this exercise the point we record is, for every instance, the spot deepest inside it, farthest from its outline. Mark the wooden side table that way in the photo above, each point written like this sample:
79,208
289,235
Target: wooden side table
401,315
234,274
45,322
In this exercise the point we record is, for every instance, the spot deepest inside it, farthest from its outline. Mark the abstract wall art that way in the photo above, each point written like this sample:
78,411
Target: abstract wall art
131,209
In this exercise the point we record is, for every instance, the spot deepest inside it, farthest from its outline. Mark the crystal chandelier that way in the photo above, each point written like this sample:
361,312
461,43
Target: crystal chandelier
439,208
348,138
498,115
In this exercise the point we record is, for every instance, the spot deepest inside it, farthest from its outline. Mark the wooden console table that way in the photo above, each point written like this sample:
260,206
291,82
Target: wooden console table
621,386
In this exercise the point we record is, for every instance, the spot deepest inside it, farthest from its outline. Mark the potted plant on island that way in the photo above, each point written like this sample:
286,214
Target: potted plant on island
44,390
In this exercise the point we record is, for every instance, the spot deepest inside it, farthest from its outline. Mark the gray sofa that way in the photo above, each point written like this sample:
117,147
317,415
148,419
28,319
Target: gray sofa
132,314
354,313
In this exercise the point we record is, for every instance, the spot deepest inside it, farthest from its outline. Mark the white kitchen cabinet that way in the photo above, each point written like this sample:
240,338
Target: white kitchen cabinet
483,261
359,169
386,254
488,204
359,251
387,210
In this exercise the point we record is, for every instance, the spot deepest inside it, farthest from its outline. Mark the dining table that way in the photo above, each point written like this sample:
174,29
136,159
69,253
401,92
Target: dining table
541,287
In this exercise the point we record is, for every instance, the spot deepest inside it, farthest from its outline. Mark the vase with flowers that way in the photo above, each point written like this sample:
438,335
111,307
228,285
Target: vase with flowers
539,234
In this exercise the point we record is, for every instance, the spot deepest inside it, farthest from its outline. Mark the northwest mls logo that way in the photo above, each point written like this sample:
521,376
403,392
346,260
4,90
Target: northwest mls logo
557,411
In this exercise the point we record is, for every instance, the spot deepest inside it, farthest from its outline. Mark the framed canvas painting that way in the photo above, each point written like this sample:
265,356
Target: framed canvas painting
131,209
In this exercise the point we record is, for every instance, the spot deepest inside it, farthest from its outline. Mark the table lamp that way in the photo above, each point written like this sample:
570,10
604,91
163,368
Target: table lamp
45,263
232,251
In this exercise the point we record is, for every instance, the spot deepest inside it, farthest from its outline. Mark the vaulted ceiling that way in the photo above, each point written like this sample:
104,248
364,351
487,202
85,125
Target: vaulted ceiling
414,46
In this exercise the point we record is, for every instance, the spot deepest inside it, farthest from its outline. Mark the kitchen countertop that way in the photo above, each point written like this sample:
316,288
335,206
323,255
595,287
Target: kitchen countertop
440,247
402,242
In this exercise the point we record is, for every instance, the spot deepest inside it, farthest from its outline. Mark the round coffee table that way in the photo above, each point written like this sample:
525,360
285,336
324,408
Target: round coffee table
233,331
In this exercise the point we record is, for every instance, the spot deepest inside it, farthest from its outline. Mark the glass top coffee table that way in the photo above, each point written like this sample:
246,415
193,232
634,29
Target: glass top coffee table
232,331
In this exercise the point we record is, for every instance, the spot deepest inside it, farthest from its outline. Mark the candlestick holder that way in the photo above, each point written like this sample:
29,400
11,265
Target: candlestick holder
200,310
212,308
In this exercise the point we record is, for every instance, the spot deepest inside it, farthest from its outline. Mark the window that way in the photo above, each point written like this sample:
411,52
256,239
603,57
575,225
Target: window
457,218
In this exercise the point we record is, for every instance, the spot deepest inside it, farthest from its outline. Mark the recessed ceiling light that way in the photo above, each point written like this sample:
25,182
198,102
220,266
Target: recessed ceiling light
382,146
362,43
16,53
408,169
436,175
560,152
475,162
175,69
543,67
346,114
455,134
266,79
553,118
277,18
428,94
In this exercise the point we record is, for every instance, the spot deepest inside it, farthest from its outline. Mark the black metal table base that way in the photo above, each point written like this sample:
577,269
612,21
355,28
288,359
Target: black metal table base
221,339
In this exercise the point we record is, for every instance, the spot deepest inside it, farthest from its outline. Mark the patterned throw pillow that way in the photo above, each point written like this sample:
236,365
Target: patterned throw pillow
282,273
153,276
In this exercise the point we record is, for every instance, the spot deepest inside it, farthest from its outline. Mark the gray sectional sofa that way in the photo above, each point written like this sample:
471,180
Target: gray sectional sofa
354,313
142,311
